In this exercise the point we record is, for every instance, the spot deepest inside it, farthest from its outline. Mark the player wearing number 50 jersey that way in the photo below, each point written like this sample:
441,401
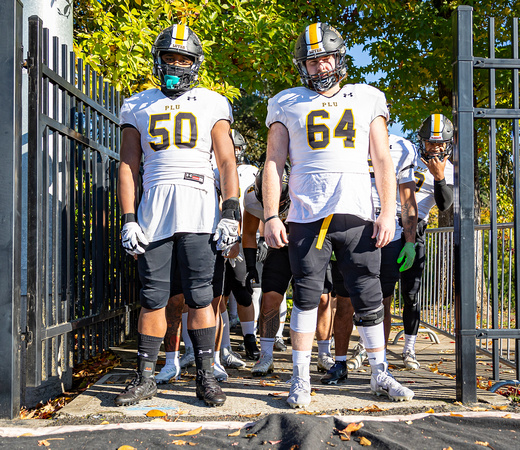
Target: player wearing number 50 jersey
176,128
327,132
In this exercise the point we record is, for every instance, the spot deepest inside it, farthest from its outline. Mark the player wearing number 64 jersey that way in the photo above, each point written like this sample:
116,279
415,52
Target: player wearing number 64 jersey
327,132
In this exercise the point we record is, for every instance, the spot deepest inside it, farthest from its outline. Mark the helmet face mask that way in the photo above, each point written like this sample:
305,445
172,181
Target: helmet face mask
285,200
175,79
318,40
436,129
240,147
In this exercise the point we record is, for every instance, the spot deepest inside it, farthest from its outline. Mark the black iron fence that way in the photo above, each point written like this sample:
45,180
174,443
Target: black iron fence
82,288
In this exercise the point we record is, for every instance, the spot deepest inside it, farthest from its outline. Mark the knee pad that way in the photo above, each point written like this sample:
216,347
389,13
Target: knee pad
370,319
304,321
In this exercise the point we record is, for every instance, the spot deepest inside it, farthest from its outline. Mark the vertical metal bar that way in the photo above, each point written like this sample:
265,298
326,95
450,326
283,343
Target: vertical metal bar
516,153
35,206
10,206
493,237
465,311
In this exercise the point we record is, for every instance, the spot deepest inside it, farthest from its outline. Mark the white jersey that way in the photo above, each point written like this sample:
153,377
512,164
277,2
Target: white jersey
403,156
424,189
179,191
328,149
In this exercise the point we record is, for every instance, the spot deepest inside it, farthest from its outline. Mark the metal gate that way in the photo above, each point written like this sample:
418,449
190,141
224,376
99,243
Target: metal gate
82,288
468,117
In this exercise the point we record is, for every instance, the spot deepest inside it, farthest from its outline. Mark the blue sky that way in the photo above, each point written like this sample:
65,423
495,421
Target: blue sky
362,58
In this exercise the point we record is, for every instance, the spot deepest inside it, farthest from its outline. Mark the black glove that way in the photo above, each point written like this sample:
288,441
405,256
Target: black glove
252,274
261,250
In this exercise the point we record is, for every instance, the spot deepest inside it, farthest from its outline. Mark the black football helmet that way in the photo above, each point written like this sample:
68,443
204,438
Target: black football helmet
240,147
320,39
285,200
175,80
437,128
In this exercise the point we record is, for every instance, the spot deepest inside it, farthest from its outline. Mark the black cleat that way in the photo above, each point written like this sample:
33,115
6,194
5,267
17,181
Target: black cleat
252,351
140,388
338,372
208,389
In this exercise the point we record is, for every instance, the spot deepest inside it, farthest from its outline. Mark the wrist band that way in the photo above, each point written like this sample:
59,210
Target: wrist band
129,217
272,217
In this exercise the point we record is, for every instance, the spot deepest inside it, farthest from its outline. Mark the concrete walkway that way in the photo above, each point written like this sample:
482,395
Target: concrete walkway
249,397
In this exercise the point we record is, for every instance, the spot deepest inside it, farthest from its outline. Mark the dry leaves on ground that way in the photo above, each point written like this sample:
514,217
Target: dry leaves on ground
188,433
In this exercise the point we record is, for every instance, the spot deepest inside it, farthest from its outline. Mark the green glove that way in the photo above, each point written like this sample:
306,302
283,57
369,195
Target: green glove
408,255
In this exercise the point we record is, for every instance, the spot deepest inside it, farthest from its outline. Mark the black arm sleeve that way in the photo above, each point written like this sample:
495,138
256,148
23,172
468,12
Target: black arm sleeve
443,194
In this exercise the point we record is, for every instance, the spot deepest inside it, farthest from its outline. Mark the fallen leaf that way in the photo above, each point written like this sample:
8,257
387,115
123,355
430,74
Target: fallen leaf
179,442
105,422
430,411
126,447
266,383
484,444
409,422
373,408
447,448
479,408
364,441
344,437
456,415
189,433
500,408
235,433
309,413
351,427
26,434
313,393
44,443
275,442
507,416
249,415
155,413
250,435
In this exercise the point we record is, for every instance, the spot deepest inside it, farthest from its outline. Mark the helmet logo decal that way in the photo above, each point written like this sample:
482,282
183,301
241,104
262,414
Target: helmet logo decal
314,38
436,131
179,36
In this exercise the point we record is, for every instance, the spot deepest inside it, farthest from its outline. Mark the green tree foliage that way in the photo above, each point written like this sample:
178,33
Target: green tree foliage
247,45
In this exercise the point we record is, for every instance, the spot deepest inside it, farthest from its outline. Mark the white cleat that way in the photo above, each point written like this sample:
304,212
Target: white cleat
188,359
360,354
325,362
264,365
410,361
300,393
168,373
230,359
383,383
219,372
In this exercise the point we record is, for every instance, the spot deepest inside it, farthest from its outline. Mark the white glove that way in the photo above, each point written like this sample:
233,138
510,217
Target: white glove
233,261
131,238
226,234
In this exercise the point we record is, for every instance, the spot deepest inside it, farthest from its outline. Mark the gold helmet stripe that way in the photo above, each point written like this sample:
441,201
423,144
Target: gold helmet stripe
314,36
179,34
436,130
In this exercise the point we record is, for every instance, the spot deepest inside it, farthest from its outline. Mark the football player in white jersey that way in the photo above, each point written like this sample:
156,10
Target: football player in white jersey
328,131
177,222
434,186
395,257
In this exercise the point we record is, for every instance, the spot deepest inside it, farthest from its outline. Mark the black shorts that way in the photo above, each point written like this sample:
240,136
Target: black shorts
235,281
276,274
357,257
193,255
389,268
217,282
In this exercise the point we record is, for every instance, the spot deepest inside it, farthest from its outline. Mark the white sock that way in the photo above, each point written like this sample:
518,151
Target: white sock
248,327
216,357
340,358
257,296
226,340
266,345
232,305
374,337
172,359
324,347
409,343
283,315
301,363
184,332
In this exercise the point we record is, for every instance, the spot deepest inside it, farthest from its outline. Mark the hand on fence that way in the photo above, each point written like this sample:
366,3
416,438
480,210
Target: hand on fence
133,239
407,255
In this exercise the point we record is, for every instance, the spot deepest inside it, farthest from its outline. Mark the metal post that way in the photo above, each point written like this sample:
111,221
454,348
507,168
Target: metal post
464,221
10,205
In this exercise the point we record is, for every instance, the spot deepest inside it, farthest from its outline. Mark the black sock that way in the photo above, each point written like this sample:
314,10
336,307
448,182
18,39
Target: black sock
203,346
148,347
